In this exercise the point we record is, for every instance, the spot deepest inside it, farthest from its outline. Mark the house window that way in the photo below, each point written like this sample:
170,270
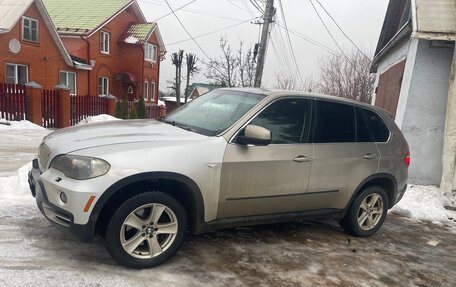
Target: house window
103,86
30,29
105,42
146,91
151,52
16,74
69,79
152,91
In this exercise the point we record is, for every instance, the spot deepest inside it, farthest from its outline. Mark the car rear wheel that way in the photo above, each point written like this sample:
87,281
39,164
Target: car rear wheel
367,212
146,230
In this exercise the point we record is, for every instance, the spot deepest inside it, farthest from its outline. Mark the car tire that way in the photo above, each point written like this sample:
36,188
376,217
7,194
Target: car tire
367,212
146,230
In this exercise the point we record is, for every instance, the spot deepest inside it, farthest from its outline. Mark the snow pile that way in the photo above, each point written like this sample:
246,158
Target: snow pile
18,125
14,189
99,118
423,203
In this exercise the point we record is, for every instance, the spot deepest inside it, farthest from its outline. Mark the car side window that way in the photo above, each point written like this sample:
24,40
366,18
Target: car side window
335,123
378,127
363,133
287,119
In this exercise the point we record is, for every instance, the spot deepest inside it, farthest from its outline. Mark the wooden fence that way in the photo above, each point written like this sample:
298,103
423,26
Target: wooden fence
82,107
12,102
50,102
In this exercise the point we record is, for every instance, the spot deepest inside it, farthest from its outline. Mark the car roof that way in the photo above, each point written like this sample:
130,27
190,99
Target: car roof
275,93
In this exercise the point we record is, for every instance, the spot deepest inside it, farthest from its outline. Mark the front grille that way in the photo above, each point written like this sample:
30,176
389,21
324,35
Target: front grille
43,155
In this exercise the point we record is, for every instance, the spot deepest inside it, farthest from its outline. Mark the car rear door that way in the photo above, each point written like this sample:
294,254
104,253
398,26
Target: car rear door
344,154
274,178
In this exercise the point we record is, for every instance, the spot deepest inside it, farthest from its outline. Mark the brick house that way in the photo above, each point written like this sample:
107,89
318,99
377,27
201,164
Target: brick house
42,54
96,47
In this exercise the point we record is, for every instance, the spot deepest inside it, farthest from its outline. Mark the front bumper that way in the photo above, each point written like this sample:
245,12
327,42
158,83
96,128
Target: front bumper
59,217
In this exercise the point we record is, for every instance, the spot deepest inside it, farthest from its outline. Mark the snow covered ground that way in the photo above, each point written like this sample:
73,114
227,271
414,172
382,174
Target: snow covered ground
415,250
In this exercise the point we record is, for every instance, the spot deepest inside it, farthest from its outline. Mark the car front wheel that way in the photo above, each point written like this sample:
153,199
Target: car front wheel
367,212
146,230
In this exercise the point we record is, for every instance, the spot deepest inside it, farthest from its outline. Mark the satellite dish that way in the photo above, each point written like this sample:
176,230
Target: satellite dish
14,46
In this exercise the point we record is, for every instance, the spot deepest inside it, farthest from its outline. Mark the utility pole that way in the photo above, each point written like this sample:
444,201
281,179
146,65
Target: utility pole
267,19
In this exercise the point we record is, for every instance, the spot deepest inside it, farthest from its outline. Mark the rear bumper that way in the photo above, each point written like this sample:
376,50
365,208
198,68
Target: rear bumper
59,217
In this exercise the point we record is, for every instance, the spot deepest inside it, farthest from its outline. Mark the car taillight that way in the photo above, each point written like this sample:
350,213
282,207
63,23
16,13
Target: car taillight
407,159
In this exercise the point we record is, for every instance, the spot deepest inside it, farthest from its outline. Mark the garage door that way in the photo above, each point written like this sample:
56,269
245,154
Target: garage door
389,88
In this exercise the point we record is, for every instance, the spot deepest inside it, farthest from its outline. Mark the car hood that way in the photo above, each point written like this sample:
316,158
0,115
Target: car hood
116,132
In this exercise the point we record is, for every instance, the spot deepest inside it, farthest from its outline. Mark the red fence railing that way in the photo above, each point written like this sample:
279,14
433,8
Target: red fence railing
50,102
12,102
152,110
82,107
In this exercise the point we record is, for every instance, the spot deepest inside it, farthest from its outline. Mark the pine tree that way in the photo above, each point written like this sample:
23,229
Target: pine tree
141,109
133,113
118,112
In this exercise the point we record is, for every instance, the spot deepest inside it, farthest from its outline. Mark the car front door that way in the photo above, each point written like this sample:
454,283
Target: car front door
274,178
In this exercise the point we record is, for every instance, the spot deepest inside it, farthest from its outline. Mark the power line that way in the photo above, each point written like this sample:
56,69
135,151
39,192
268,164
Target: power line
309,40
181,7
289,41
186,31
210,33
257,6
343,32
200,12
332,37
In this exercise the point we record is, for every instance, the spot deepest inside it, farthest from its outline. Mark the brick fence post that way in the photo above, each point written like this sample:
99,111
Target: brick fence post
162,111
111,105
64,114
33,111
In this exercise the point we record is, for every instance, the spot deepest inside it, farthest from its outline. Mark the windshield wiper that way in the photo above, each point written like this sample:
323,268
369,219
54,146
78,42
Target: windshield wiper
179,125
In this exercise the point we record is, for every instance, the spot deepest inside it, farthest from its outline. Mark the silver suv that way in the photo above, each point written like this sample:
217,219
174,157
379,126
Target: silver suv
230,158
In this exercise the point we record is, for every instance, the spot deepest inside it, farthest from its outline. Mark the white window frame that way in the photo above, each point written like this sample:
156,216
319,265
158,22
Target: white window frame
150,52
30,28
16,76
104,86
66,81
152,91
105,42
146,90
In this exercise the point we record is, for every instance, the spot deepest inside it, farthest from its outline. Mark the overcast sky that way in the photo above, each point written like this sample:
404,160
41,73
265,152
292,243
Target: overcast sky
360,19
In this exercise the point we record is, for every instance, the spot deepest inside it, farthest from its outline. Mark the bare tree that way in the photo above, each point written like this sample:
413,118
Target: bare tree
177,59
192,69
247,67
232,69
347,77
285,82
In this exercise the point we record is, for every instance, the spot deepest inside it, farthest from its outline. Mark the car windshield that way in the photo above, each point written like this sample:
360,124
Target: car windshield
213,112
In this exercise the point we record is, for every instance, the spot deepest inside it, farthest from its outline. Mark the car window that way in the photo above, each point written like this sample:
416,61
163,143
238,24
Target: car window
363,133
379,129
335,123
287,119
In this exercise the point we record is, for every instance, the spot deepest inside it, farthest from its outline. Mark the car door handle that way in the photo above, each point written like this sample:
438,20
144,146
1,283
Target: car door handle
370,156
302,158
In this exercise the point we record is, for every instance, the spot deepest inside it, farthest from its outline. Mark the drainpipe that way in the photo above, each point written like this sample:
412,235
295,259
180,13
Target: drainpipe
449,139
88,62
158,79
142,68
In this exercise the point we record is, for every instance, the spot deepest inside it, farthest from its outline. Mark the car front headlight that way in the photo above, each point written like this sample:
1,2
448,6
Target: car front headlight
80,167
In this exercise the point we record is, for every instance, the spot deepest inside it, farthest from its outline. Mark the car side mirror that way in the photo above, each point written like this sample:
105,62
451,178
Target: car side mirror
255,135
